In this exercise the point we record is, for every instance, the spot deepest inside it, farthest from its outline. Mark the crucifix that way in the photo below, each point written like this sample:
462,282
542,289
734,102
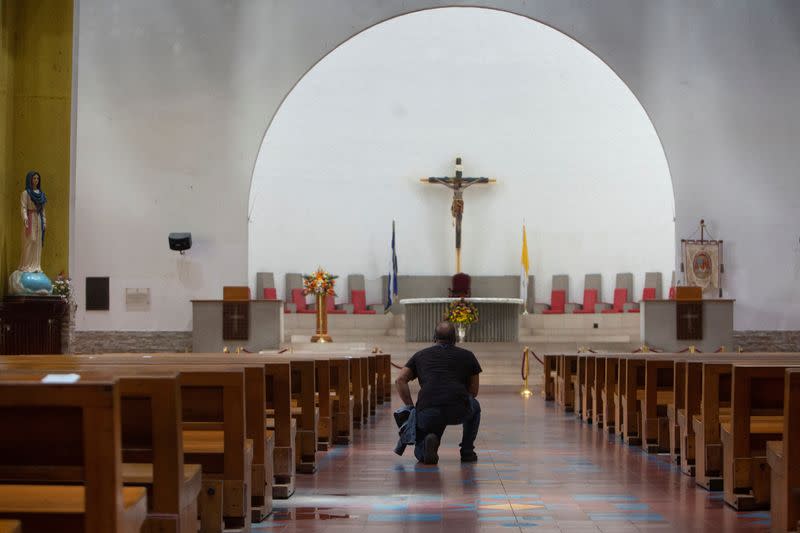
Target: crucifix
457,184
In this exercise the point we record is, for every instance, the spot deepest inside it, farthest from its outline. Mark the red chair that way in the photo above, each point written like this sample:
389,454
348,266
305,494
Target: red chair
589,299
330,305
648,293
558,301
462,286
359,301
270,293
299,299
620,298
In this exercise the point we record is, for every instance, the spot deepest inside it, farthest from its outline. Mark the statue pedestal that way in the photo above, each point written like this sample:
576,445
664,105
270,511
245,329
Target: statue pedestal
29,284
31,324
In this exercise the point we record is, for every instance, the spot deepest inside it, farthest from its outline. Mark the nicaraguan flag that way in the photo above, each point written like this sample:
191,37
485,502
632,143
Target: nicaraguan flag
391,286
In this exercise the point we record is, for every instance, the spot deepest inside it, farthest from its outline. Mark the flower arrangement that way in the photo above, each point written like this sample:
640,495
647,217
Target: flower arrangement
462,312
319,283
62,286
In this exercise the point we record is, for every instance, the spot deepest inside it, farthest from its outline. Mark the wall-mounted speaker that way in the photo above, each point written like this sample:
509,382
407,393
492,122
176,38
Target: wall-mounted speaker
180,241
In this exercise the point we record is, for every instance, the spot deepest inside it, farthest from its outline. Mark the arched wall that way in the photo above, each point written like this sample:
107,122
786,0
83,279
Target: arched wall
172,102
576,155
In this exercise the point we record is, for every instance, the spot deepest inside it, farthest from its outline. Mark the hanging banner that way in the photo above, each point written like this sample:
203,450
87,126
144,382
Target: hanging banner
702,264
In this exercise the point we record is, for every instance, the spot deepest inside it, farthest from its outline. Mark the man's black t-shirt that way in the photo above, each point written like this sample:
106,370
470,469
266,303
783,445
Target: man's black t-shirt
444,372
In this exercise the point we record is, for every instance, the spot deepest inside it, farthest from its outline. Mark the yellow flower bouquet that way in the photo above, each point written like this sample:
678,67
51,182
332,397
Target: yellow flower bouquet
320,282
462,312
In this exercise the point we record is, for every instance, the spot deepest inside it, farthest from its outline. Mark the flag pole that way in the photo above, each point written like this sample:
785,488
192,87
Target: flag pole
523,261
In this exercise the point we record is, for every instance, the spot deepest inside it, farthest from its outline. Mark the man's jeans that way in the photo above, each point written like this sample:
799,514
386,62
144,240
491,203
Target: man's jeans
435,419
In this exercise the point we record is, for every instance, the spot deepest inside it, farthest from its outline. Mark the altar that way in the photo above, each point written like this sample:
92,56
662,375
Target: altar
498,318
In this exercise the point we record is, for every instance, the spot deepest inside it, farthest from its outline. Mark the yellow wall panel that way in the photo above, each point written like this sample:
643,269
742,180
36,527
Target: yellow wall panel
36,51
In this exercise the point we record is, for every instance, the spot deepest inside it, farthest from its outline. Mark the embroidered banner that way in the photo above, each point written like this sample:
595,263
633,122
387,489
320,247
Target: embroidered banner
701,263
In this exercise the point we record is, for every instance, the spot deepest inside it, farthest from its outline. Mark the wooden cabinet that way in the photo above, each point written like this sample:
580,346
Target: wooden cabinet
31,325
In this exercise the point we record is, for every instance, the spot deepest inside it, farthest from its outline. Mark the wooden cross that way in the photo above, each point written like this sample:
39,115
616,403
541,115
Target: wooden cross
457,184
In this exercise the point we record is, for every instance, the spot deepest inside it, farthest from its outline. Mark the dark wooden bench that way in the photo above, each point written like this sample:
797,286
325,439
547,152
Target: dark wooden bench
756,417
213,426
715,401
587,370
60,457
549,376
783,457
267,388
10,526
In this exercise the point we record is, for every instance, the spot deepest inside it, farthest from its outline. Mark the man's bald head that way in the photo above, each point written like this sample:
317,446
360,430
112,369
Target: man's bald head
445,333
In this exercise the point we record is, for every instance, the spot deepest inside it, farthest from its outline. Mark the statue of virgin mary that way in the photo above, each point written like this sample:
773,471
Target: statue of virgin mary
29,278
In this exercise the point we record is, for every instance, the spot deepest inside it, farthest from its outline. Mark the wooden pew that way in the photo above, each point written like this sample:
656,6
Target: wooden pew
610,394
267,392
152,452
152,448
783,457
756,417
342,402
213,417
596,384
678,404
549,376
565,385
385,365
10,526
361,388
577,379
60,435
658,395
267,389
372,378
715,400
587,364
305,396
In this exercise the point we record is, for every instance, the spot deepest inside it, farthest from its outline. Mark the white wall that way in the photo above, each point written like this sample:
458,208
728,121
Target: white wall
173,100
573,151
164,135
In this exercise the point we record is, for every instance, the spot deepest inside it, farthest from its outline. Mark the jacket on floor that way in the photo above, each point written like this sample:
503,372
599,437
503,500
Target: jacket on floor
406,419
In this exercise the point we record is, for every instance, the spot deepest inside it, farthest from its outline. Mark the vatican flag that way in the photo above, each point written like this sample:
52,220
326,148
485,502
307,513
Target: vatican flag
525,264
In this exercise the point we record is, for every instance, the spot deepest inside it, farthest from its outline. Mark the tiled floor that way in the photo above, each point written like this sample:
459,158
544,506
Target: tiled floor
539,470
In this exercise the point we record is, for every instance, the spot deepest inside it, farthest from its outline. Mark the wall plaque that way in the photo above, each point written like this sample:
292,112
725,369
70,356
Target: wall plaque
137,299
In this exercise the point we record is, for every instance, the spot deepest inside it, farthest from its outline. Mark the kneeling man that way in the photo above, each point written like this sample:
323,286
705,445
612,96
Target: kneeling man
448,377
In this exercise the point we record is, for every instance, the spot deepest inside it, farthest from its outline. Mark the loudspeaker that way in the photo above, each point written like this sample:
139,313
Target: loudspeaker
180,241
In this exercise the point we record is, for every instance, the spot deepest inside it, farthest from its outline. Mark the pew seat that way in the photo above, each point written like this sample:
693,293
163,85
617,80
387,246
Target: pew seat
758,424
207,447
141,474
10,526
663,397
61,507
750,472
210,442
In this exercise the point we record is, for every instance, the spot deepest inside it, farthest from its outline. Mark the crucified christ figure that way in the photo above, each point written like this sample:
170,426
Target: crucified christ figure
457,184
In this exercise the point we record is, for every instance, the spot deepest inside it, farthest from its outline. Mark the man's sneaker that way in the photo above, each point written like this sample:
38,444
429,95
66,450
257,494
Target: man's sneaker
430,455
470,457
